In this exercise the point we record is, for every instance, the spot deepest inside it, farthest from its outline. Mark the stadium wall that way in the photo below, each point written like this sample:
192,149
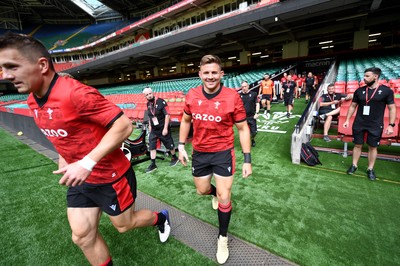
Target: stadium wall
27,126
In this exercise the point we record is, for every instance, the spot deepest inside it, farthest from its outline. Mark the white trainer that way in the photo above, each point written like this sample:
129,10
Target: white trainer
222,250
268,115
165,229
214,202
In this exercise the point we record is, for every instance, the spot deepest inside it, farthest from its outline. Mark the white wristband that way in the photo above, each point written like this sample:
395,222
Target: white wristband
87,163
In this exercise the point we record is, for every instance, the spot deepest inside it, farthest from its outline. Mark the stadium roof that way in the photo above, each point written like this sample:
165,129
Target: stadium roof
16,13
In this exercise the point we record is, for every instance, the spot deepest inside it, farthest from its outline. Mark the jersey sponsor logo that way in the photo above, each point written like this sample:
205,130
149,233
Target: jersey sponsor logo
206,117
54,133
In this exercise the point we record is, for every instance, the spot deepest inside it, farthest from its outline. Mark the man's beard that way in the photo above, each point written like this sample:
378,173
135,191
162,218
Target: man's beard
369,84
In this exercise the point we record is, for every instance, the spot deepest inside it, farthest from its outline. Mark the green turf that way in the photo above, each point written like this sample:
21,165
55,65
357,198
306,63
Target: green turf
309,215
34,227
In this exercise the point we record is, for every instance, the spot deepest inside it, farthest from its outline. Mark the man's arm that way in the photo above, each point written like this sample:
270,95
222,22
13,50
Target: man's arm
184,130
392,118
350,112
244,136
76,173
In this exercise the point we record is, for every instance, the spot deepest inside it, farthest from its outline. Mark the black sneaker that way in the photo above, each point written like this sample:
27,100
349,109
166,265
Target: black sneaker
151,168
322,117
288,115
174,161
253,143
352,169
371,174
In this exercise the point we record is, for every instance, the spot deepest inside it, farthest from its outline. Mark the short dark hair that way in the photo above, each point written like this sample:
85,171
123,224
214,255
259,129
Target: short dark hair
375,70
331,85
28,46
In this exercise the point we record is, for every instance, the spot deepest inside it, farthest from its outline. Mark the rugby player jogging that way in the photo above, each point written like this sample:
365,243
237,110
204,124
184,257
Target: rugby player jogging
214,109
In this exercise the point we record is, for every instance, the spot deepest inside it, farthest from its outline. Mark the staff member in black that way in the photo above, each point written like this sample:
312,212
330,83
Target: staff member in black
311,86
288,90
371,101
252,107
159,128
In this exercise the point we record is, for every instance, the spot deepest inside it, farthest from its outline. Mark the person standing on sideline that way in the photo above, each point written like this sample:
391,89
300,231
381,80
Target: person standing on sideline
371,101
214,110
159,128
252,107
268,92
288,90
311,86
87,131
330,107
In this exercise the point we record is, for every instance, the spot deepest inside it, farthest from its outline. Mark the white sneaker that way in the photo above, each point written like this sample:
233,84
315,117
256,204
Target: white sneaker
222,250
214,202
165,229
268,115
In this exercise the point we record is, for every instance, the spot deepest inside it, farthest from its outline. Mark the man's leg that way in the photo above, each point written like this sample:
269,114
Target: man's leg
204,187
327,124
224,186
84,225
356,153
131,219
372,154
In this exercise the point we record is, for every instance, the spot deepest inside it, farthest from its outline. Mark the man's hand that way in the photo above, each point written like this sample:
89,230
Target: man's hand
346,124
389,130
246,170
165,132
183,157
73,174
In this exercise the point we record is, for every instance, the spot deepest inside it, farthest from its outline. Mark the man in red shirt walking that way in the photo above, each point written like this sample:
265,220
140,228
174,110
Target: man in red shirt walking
87,131
214,110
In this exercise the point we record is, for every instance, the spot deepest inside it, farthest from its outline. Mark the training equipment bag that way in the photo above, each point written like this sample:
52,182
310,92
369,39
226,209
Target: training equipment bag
309,154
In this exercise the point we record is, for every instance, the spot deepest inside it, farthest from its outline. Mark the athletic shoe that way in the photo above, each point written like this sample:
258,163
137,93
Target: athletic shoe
288,115
214,202
174,161
151,168
222,250
253,143
326,138
268,115
164,229
265,112
352,169
322,117
371,174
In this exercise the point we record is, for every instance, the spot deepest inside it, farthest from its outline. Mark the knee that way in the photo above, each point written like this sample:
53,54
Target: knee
122,228
223,198
84,237
202,191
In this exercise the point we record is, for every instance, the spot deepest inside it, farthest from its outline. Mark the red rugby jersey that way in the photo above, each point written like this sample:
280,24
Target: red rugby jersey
75,117
213,118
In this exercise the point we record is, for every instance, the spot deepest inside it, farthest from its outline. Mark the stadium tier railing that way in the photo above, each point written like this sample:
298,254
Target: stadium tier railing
305,126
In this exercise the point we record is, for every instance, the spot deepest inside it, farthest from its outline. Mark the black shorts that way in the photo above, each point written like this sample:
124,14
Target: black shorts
310,90
252,125
166,140
112,198
371,137
267,97
221,163
288,99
